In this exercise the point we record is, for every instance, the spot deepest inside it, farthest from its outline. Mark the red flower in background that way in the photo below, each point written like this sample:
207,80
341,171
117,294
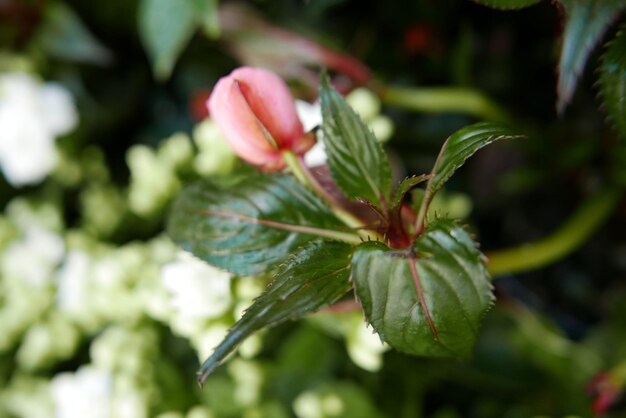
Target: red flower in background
607,392
255,42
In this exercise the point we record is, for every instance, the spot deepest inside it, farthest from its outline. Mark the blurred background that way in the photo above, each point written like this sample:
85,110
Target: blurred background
103,120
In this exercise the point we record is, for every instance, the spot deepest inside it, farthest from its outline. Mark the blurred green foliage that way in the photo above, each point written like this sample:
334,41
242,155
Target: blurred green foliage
94,226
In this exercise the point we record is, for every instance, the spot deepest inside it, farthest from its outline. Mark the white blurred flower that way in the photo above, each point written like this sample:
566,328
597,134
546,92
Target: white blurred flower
27,151
312,404
310,115
57,109
25,285
47,342
198,290
84,394
205,342
316,156
127,351
171,414
32,115
93,275
333,405
365,347
26,396
200,412
73,283
153,180
176,150
382,127
26,214
34,257
129,404
363,102
248,377
308,405
215,155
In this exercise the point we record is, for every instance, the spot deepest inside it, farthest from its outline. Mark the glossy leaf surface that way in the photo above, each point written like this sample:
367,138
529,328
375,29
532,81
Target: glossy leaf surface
586,22
216,221
315,276
458,148
454,285
356,160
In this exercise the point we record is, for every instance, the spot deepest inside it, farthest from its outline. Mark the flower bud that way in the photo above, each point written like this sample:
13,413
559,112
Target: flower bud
256,113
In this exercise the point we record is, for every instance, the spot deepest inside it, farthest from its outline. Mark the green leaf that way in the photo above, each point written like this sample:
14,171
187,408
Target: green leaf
453,283
456,150
207,12
507,4
586,22
315,276
165,27
356,160
613,81
405,186
63,35
218,221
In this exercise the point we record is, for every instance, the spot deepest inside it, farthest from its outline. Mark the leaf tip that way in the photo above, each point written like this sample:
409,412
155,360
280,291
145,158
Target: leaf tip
202,376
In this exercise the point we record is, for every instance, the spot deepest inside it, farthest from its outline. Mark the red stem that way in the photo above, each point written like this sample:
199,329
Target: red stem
420,295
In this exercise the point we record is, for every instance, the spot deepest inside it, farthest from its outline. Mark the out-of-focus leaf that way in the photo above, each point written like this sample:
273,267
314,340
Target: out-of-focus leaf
586,22
613,81
356,160
165,27
256,42
316,275
507,4
207,12
63,35
218,221
453,283
458,148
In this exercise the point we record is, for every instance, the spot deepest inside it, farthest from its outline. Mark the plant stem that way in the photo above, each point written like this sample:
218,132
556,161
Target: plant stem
304,176
442,100
292,162
567,238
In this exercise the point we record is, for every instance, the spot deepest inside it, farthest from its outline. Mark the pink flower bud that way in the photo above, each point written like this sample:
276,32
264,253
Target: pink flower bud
256,113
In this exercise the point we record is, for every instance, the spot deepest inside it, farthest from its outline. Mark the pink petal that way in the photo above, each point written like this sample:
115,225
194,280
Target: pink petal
232,114
271,101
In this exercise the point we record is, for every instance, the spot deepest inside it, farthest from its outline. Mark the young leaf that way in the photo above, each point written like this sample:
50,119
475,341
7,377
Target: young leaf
507,4
430,304
586,22
459,147
315,276
613,81
405,186
249,224
356,160
165,28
